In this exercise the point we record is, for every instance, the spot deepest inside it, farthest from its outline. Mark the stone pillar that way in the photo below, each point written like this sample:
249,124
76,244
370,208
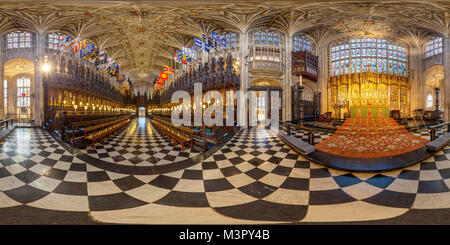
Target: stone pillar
446,105
2,78
300,104
323,76
296,99
243,70
38,110
286,96
417,78
267,108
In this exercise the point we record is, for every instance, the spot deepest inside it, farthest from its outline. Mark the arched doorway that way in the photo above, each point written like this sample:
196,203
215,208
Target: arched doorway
262,97
18,89
434,82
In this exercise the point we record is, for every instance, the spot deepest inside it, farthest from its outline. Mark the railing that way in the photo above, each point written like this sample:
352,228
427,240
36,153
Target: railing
432,129
6,123
290,125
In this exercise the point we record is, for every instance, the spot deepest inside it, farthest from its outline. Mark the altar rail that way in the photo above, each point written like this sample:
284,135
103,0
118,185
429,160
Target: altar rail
432,129
290,125
6,123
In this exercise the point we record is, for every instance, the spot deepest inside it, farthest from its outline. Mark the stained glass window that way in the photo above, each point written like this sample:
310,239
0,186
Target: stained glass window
53,40
23,92
266,38
433,47
302,43
369,54
18,39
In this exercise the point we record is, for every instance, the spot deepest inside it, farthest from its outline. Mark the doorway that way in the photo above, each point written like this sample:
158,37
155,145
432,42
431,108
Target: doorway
260,103
141,111
18,90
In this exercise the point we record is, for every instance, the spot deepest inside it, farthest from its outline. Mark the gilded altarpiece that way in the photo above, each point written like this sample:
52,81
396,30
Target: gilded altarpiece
370,90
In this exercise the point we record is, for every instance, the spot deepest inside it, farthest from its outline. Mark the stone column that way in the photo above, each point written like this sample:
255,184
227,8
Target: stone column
2,78
323,75
446,93
243,70
300,104
38,110
296,100
267,108
287,100
417,78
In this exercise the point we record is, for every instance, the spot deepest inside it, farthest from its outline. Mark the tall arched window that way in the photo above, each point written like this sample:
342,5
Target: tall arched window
429,100
368,54
231,39
433,47
53,40
301,43
266,38
5,95
18,39
23,96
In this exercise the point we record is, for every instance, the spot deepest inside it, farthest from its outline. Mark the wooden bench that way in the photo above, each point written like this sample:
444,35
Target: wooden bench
77,128
100,132
176,134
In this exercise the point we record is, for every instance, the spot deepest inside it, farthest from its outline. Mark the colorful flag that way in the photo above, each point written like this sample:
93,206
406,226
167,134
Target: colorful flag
79,46
87,51
110,68
164,75
69,44
207,46
64,41
198,42
168,70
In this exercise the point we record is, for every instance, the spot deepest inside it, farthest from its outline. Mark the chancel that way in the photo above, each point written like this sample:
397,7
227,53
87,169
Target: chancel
290,111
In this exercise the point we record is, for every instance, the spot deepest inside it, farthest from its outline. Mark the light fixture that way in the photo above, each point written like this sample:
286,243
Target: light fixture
46,67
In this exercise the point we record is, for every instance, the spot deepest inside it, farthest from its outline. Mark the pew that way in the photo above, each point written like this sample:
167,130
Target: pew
100,132
77,128
176,134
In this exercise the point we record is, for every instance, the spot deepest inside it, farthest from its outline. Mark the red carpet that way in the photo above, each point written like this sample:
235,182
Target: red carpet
371,137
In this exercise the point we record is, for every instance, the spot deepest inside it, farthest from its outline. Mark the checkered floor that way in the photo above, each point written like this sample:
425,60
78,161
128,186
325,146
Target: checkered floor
139,145
253,178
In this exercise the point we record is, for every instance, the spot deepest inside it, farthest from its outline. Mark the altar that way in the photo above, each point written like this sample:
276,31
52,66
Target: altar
369,111
369,94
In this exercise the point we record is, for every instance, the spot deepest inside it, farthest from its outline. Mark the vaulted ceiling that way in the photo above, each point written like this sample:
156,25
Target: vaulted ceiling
143,35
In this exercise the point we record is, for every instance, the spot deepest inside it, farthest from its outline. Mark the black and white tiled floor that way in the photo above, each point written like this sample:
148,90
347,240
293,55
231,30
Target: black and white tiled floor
139,145
253,178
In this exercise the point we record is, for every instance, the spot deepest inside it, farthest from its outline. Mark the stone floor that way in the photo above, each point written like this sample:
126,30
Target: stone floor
141,145
253,179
